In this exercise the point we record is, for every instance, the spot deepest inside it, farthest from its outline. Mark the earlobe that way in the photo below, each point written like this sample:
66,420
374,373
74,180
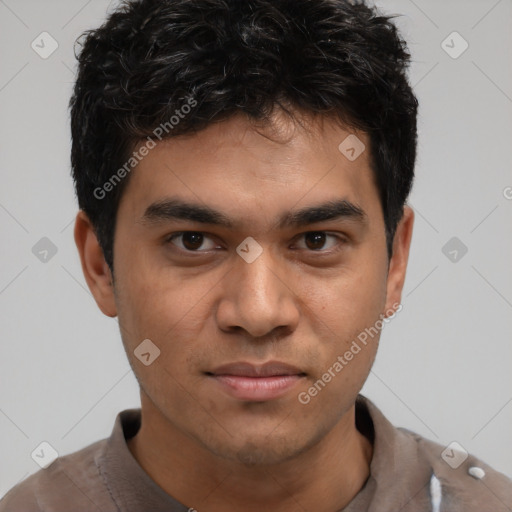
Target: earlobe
399,259
96,271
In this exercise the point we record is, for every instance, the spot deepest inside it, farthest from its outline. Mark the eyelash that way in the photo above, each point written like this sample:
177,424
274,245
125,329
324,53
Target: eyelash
340,242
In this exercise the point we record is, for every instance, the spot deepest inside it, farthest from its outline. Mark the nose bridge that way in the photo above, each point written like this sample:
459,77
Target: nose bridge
260,276
258,282
258,298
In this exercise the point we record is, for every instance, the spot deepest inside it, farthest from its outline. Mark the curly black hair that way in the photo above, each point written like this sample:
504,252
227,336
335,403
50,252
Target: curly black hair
338,58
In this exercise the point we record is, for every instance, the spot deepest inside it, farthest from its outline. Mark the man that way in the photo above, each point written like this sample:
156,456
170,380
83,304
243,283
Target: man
242,170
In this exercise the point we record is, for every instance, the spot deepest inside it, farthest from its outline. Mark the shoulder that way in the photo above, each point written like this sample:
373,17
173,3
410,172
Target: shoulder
466,483
72,481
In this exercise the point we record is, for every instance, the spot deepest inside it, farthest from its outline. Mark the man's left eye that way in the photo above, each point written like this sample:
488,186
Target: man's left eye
320,240
192,241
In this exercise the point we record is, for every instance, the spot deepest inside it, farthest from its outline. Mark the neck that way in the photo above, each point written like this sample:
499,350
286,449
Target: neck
324,478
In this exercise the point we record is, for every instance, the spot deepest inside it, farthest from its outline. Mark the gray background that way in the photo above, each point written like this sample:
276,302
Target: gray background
443,368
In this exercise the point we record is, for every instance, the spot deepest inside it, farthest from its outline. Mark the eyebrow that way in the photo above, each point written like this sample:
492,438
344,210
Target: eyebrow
172,209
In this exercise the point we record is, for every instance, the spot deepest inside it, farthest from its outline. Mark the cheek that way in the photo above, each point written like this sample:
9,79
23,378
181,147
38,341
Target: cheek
172,317
342,313
354,296
160,306
343,321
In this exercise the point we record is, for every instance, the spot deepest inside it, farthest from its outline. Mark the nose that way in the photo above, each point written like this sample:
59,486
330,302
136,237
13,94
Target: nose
258,298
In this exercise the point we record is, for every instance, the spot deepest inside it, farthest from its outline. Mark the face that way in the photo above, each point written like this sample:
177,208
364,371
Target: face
253,258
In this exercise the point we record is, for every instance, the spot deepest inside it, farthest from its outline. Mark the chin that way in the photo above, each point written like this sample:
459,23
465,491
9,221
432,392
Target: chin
266,450
261,454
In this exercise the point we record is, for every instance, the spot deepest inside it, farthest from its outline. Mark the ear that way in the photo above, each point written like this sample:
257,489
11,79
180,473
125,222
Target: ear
96,271
399,259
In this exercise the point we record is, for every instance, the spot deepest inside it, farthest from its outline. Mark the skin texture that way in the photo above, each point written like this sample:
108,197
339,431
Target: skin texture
293,304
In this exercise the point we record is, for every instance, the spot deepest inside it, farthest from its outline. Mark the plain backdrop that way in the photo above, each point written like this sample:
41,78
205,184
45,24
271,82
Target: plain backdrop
443,369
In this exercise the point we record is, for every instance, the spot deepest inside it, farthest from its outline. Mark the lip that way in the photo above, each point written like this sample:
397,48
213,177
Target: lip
256,383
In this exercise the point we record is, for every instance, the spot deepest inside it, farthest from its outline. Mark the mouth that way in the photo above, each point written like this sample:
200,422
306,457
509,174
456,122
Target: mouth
256,383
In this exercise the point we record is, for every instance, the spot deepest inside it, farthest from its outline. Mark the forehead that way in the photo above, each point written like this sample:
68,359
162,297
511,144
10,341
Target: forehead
240,168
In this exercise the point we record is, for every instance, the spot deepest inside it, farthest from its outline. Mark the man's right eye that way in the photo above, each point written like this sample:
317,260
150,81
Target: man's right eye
192,241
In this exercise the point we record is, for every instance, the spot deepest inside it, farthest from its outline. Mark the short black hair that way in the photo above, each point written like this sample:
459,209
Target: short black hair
136,72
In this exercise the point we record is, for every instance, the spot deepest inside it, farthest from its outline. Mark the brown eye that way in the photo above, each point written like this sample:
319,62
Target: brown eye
315,240
321,242
192,241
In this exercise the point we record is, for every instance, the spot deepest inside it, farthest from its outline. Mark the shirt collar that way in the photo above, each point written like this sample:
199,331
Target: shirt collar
129,485
398,474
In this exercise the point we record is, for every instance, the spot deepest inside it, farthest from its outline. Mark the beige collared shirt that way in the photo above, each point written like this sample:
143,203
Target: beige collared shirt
407,474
